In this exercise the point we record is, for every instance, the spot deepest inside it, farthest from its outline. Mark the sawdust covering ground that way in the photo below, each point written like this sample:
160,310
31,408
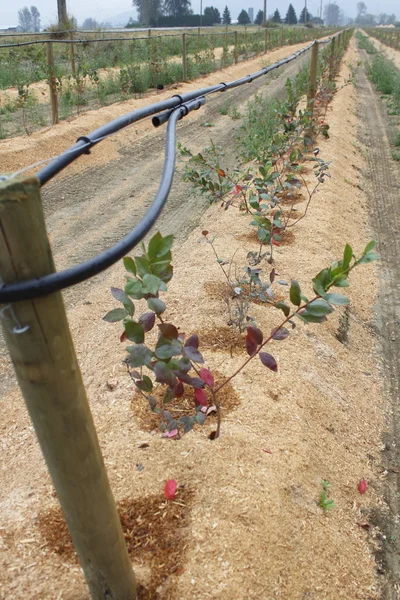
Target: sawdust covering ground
255,530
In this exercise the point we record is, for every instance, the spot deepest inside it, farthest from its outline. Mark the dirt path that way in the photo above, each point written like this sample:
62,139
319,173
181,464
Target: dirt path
383,176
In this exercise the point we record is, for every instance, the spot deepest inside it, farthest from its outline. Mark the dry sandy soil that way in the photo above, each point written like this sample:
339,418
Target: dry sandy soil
252,527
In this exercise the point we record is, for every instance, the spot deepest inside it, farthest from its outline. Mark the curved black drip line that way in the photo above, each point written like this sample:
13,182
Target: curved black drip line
172,110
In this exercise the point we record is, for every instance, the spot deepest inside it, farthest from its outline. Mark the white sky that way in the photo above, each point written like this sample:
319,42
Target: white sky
102,10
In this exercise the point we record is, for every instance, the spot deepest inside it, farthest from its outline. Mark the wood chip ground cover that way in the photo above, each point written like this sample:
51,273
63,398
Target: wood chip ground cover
255,529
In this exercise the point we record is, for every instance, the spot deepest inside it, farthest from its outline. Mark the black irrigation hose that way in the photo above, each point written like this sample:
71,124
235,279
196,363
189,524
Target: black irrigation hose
36,288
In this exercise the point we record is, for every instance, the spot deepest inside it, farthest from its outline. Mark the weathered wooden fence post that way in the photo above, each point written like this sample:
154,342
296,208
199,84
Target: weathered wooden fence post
332,60
72,53
265,40
52,83
312,85
41,349
235,50
184,58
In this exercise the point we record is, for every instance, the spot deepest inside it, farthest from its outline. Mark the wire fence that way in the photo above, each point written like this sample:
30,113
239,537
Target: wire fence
167,111
44,81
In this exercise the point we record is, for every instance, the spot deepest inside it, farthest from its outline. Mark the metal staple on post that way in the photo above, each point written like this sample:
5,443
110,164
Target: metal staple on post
52,83
44,359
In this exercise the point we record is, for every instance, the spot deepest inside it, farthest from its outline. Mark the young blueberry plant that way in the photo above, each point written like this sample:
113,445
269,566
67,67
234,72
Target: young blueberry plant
168,365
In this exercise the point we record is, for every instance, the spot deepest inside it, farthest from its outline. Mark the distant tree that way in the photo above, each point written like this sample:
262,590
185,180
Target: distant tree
291,17
25,19
177,8
243,18
277,17
226,16
90,23
259,20
317,21
148,11
361,9
212,15
305,16
332,14
35,18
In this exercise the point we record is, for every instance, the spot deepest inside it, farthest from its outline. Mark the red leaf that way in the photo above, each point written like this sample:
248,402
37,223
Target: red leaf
170,434
221,173
123,337
269,361
170,489
267,450
179,390
169,331
200,397
279,333
237,190
362,486
275,243
255,334
207,377
251,346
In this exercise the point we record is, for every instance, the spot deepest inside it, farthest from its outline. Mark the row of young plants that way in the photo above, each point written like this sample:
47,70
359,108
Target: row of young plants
389,37
386,77
131,68
166,365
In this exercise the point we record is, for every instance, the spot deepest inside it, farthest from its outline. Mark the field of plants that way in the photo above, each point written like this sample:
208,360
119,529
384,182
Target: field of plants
242,364
91,74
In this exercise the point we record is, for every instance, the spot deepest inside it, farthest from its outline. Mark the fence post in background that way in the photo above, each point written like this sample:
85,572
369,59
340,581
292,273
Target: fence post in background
235,50
149,33
72,53
184,58
281,43
312,86
332,60
42,352
52,83
265,40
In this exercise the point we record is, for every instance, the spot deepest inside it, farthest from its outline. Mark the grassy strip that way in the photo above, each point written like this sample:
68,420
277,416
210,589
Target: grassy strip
365,43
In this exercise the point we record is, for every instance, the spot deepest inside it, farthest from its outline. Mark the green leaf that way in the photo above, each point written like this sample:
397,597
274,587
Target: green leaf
284,307
321,282
139,356
123,297
134,287
295,293
143,265
156,305
117,314
129,265
153,284
370,246
167,351
347,256
336,299
367,258
145,385
308,318
134,332
319,308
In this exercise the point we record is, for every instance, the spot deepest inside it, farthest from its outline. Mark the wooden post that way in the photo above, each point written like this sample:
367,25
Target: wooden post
48,374
52,83
265,40
72,53
332,59
235,50
312,86
281,36
184,58
149,33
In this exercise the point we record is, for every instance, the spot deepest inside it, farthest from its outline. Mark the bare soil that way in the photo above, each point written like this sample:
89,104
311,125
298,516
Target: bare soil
252,528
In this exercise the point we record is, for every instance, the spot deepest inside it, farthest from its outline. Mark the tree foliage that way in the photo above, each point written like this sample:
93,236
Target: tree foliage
291,17
212,15
29,19
305,16
277,17
226,16
259,20
148,11
177,8
243,18
332,14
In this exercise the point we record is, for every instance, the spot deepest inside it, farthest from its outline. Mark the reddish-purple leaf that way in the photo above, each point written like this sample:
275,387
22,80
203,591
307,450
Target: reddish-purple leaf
170,434
122,337
169,331
267,450
200,397
170,489
268,361
280,334
272,276
362,486
179,390
192,341
251,346
193,354
197,383
207,377
147,320
213,435
184,377
255,334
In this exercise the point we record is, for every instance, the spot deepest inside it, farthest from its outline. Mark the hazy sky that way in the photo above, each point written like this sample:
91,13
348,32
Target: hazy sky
102,10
